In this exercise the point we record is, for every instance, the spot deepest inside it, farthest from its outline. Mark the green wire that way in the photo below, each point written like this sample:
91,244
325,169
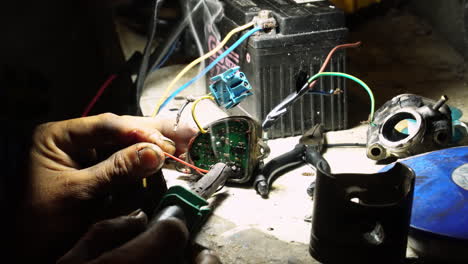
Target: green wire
363,84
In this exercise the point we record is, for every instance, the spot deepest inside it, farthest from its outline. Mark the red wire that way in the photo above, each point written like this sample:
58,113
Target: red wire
98,94
185,163
330,54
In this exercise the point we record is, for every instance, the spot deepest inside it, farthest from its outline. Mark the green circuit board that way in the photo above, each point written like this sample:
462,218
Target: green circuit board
228,141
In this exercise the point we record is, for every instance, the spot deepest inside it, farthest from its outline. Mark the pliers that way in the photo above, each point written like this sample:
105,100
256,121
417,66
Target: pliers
191,206
307,151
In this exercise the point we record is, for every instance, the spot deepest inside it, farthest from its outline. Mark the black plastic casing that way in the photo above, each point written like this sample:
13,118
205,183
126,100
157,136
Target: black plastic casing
273,61
362,218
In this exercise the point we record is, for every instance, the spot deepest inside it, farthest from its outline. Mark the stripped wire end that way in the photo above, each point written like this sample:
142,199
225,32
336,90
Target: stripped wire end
338,91
368,122
189,99
329,93
314,78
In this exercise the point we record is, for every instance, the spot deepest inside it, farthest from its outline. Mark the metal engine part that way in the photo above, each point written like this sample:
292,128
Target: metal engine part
428,126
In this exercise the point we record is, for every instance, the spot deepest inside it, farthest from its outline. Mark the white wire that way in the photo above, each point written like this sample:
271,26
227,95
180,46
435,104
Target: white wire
244,111
209,19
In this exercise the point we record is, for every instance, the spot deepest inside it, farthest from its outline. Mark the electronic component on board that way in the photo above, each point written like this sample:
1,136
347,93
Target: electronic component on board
232,140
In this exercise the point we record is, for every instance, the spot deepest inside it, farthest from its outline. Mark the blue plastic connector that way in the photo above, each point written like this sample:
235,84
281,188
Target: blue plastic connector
230,88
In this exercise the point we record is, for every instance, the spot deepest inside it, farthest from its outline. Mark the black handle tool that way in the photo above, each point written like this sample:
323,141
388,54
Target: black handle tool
308,151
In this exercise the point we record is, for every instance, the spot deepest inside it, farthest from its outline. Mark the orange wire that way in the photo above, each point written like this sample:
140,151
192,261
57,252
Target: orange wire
185,163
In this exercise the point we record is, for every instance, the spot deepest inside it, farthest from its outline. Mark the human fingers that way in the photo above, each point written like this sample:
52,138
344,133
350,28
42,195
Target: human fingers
126,166
106,130
164,242
165,125
181,136
105,236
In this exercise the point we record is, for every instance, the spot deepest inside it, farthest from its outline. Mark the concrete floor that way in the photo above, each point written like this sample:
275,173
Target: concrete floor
400,54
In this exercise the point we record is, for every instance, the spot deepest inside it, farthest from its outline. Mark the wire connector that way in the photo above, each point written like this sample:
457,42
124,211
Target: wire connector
265,20
230,88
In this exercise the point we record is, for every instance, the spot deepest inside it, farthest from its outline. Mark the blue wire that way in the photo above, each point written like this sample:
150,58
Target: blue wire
209,67
331,92
166,57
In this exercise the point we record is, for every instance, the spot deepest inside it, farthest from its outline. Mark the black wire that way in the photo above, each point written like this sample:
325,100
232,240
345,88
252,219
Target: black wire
140,81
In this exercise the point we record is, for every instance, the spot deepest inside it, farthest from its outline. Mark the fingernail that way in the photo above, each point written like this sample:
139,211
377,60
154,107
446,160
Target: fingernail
151,158
141,214
168,140
135,213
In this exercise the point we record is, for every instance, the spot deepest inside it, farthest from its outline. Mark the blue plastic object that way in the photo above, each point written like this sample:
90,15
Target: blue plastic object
230,88
440,203
460,130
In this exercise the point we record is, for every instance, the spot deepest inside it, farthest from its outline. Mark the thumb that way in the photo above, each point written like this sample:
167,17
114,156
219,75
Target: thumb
129,165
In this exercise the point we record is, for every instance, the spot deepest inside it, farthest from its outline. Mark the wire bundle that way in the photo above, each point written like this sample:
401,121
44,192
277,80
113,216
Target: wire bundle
164,101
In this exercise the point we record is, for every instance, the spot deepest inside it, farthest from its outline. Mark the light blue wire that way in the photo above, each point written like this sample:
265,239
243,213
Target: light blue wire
209,67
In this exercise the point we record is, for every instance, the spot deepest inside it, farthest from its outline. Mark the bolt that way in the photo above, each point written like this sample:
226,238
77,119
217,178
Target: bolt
262,188
440,103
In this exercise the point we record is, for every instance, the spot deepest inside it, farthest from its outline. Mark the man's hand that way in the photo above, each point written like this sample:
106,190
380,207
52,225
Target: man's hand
124,240
77,166
128,239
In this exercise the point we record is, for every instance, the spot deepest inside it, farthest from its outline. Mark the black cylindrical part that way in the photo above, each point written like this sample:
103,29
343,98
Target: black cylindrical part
362,218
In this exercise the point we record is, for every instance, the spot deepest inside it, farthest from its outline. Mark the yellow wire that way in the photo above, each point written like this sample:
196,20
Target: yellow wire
195,62
194,116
